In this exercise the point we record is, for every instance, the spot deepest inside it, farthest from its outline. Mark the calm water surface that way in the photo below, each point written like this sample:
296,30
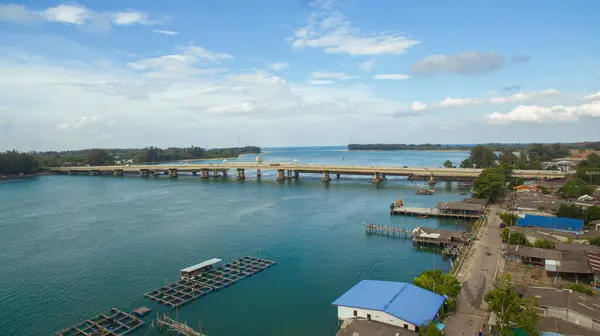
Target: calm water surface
73,246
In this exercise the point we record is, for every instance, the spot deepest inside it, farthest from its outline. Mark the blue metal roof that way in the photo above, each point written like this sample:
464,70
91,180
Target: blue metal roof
555,223
403,300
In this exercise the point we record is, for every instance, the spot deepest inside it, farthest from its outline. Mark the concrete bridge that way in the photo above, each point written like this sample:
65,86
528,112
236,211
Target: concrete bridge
292,171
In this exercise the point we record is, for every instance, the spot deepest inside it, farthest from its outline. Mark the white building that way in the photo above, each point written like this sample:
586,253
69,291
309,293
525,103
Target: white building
395,303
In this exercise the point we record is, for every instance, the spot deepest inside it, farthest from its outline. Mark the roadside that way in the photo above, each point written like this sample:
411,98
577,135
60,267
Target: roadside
477,272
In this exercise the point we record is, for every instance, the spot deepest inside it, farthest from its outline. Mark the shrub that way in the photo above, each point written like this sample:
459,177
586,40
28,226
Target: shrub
581,289
544,243
509,218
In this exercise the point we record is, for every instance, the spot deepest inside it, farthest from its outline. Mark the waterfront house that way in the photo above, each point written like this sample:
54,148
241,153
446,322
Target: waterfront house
440,237
564,304
585,198
461,208
554,223
533,255
398,304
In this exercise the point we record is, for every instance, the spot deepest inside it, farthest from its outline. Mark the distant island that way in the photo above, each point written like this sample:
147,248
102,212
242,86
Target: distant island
495,146
16,163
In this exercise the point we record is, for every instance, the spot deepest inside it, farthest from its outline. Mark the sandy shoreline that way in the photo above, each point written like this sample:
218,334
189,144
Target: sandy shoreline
408,150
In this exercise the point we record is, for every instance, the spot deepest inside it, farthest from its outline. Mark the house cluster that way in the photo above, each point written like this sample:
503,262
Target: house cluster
375,307
566,312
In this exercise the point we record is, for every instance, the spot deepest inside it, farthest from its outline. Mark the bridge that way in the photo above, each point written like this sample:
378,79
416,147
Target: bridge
287,171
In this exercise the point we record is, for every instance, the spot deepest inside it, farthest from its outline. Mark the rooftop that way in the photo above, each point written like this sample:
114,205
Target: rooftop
593,259
556,223
394,298
534,252
362,327
565,298
203,264
461,206
437,233
553,324
574,262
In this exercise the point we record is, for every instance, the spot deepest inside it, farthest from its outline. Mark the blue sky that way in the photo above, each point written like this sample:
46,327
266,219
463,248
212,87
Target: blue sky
125,73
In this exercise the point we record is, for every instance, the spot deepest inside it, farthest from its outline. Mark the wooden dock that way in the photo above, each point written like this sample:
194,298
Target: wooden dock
183,291
390,231
113,323
168,324
429,212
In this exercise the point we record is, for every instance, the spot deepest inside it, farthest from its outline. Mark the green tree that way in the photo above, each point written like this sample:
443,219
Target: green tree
507,157
490,184
581,289
593,213
429,328
448,164
504,301
528,317
97,157
545,244
575,187
570,211
481,157
14,162
595,241
438,282
509,219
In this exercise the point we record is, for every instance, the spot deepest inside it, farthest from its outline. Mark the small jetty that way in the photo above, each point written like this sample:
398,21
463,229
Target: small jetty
113,323
390,231
202,279
462,210
425,192
168,324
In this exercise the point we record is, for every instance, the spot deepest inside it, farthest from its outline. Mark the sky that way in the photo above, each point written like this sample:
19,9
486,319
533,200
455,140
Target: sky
218,73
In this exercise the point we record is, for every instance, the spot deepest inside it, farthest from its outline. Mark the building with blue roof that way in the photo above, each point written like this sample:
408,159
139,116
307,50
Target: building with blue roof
553,223
396,303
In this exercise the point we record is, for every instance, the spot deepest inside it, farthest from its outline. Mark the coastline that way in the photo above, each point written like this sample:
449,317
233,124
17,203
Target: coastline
12,177
207,159
408,150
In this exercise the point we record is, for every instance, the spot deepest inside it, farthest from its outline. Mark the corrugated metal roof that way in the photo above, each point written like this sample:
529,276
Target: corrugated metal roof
209,262
556,223
395,298
594,261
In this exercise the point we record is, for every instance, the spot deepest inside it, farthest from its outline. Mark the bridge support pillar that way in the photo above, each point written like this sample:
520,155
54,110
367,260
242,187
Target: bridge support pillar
73,172
173,173
194,173
376,178
241,174
204,173
280,174
258,173
144,173
326,177
296,175
94,172
383,177
337,176
118,172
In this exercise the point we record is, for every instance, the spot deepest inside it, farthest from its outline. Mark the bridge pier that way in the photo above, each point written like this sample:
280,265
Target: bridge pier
337,176
383,177
241,175
204,173
173,173
376,178
224,173
144,173
258,173
194,173
280,174
118,172
296,175
326,177
94,172
73,172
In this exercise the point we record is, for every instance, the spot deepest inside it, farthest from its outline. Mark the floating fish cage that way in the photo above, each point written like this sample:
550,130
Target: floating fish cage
113,323
183,291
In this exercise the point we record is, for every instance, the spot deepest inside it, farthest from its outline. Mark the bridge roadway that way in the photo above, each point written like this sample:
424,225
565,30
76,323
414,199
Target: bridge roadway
293,170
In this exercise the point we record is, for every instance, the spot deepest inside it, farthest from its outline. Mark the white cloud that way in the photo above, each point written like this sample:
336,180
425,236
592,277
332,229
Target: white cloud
207,55
538,114
368,65
333,33
453,102
129,18
277,66
392,76
164,32
525,96
464,63
320,82
17,14
79,122
418,106
593,97
332,75
72,14
492,93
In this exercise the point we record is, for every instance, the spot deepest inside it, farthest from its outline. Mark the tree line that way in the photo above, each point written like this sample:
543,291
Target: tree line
538,152
14,162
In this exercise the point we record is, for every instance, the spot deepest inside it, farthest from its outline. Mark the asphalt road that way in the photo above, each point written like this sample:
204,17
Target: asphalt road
477,274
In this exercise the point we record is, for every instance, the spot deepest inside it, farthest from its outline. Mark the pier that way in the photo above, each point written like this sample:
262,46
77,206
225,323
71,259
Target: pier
168,324
390,231
460,210
113,323
189,289
291,171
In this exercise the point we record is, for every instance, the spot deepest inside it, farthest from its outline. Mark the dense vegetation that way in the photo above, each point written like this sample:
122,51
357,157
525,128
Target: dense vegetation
98,156
514,238
511,309
13,162
491,183
509,219
443,284
589,169
581,289
545,244
430,328
588,214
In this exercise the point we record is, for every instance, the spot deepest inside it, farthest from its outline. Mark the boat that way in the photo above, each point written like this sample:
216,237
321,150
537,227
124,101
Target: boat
422,217
425,192
463,193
